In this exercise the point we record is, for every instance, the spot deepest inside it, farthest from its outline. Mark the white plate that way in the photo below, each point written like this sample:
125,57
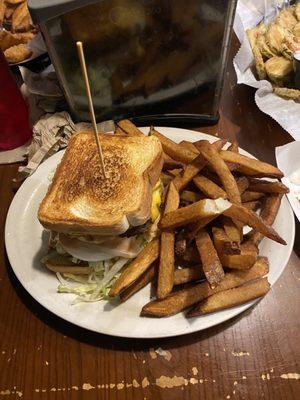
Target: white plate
26,243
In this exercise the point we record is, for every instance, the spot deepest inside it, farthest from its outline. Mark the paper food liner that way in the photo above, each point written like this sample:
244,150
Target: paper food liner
288,160
286,112
51,134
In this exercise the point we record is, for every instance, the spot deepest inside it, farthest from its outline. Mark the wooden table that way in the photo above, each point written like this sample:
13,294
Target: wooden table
253,356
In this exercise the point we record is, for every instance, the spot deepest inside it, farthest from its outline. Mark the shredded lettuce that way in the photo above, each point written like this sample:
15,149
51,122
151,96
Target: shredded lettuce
96,285
51,175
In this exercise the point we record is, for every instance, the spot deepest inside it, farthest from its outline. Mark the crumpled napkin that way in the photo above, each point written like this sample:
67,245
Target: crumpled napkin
288,160
50,134
286,112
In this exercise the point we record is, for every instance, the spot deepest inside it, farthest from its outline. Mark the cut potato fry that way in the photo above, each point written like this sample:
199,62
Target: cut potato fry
147,277
252,205
244,260
222,242
186,275
190,196
190,256
136,268
165,279
174,150
221,169
194,228
233,229
234,147
242,184
194,168
268,214
250,196
182,299
126,127
211,263
189,146
194,212
209,188
251,166
259,185
175,172
169,163
249,218
231,298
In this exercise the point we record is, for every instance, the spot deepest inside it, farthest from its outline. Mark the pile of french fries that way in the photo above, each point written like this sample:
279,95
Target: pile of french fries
16,30
201,261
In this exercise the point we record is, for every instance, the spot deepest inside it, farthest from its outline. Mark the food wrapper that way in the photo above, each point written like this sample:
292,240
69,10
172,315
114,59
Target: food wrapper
286,112
50,134
288,161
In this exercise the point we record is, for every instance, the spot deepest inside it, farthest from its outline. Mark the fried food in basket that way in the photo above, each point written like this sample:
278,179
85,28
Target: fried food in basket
288,93
273,47
17,31
16,54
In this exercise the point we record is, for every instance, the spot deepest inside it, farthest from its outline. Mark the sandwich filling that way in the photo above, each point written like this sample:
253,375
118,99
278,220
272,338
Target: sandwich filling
88,265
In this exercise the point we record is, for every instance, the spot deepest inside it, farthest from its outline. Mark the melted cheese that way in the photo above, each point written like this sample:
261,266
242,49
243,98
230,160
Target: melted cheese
156,201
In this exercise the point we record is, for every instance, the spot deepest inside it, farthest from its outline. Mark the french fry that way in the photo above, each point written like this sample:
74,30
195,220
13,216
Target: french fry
190,196
194,168
251,166
209,188
147,277
252,205
175,172
259,185
215,161
234,147
165,279
136,268
250,196
194,212
229,183
173,149
186,275
231,297
249,218
180,244
194,228
242,184
182,299
223,244
169,163
211,264
190,256
189,146
125,126
166,178
268,214
233,229
244,260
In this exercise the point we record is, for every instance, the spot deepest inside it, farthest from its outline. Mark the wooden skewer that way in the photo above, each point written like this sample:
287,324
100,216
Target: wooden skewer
90,101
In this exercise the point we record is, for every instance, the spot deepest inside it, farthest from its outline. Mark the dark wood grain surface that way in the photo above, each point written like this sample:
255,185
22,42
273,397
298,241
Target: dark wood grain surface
253,356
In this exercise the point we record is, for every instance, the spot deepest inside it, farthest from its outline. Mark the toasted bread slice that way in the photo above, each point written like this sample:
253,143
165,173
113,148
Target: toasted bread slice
81,200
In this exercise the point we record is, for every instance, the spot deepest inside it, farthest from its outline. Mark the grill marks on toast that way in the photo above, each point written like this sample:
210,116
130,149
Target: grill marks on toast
84,175
79,199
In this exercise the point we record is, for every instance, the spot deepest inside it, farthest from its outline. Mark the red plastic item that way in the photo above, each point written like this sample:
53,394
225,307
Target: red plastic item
14,118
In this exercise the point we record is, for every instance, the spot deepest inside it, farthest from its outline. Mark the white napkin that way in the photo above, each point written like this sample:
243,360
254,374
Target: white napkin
286,112
288,160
